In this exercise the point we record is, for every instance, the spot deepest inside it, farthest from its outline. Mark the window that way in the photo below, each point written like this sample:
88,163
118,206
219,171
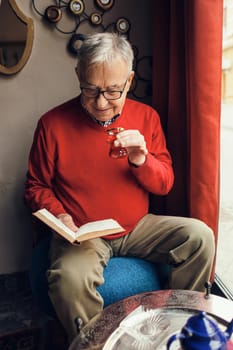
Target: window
224,263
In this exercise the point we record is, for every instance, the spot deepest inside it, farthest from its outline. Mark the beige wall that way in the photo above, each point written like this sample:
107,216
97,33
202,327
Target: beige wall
47,80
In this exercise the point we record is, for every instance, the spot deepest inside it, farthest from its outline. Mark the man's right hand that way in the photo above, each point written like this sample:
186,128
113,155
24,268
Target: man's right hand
67,220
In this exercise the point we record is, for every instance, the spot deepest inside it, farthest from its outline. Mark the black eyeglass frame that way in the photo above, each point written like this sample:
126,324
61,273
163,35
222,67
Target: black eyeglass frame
99,91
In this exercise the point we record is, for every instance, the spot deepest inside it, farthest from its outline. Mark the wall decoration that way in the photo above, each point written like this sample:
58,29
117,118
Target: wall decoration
75,13
16,37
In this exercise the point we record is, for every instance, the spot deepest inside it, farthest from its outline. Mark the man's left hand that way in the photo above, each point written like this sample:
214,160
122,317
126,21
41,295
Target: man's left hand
135,145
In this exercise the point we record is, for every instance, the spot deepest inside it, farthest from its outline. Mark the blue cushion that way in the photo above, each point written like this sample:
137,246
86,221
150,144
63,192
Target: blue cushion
124,276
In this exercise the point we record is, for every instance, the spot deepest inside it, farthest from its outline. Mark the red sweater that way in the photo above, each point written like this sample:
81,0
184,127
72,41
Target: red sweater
70,170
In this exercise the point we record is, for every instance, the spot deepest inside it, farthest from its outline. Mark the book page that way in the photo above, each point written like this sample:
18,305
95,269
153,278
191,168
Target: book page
97,226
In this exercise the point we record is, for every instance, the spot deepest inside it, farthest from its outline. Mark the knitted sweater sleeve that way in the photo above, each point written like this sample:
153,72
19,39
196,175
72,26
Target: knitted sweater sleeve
156,174
39,191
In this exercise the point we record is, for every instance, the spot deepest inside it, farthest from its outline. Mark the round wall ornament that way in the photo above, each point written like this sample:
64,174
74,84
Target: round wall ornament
122,25
76,7
75,43
105,4
96,18
53,14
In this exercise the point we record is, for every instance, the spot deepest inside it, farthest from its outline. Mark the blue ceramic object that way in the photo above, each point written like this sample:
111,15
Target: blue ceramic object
202,333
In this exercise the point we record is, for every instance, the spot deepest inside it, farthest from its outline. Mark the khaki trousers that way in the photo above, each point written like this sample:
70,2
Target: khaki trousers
76,270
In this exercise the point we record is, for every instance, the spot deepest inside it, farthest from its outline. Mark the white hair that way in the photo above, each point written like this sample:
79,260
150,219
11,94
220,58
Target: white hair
105,47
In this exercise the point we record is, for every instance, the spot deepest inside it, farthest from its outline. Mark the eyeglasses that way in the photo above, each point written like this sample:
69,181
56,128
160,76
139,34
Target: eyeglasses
108,94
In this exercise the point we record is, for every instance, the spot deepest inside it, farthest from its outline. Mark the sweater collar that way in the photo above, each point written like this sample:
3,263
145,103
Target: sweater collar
99,122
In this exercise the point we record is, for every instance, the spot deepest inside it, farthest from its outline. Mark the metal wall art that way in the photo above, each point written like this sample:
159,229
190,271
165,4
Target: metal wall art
59,11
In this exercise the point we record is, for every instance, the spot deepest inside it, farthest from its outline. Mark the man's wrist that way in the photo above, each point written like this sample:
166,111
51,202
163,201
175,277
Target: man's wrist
132,164
136,165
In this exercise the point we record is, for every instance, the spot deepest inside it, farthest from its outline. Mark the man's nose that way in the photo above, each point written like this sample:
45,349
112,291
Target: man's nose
101,100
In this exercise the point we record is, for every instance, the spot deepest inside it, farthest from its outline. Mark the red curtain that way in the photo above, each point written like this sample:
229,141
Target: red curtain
187,52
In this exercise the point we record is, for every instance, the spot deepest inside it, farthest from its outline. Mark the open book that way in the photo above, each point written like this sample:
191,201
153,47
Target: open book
87,231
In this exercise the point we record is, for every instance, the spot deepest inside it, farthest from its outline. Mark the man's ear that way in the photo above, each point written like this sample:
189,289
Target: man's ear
130,79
